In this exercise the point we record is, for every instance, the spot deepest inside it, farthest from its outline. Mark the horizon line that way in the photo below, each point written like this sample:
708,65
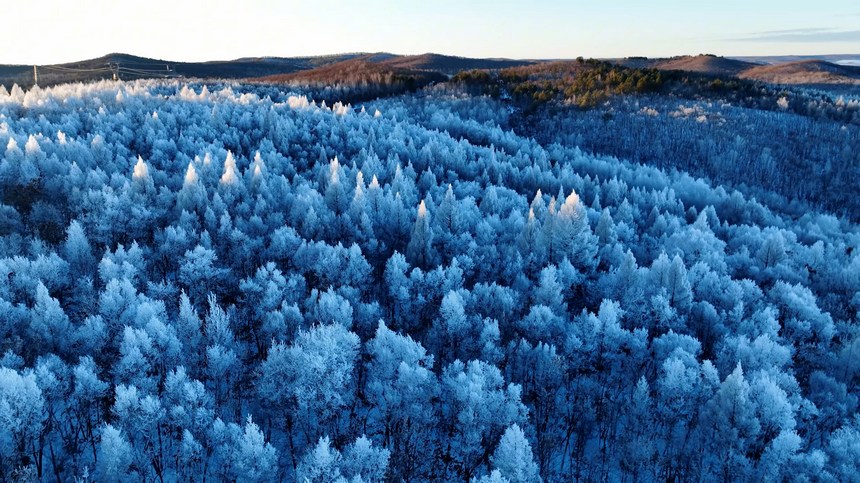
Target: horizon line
359,53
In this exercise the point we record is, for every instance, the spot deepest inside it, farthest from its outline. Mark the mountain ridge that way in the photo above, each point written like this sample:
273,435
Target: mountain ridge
796,70
813,71
128,66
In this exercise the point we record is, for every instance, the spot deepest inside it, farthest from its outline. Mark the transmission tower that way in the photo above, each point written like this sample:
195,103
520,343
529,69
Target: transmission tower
114,67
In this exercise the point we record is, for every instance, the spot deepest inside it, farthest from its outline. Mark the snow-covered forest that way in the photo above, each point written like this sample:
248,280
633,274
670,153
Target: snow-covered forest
233,283
809,157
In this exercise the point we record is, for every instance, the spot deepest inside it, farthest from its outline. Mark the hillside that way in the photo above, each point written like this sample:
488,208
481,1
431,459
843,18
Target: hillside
16,74
702,64
705,64
307,62
447,64
639,114
804,72
359,72
845,59
798,70
388,69
416,70
588,82
129,67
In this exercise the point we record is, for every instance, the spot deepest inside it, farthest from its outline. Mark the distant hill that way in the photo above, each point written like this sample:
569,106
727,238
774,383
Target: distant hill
16,74
796,70
447,64
415,70
255,67
784,59
805,72
133,67
705,64
550,70
130,67
702,64
582,82
361,73
308,62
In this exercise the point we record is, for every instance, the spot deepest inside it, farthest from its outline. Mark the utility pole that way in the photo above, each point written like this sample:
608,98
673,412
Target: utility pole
35,76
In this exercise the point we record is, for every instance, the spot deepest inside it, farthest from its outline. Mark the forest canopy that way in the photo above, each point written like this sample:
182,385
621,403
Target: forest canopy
236,283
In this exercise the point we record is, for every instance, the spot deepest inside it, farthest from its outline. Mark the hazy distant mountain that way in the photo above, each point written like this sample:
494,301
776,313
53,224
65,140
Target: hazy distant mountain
805,72
783,59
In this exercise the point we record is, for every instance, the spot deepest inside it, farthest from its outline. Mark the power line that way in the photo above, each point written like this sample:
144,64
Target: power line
157,73
73,69
143,64
115,68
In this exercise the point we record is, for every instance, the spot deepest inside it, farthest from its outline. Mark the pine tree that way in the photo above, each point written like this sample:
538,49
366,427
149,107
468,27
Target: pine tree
230,176
420,249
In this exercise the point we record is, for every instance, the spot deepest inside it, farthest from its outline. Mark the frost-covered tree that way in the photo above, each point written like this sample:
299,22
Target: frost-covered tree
311,380
730,414
255,459
361,460
198,272
49,322
320,464
572,235
419,252
115,457
479,408
21,419
77,250
513,457
401,386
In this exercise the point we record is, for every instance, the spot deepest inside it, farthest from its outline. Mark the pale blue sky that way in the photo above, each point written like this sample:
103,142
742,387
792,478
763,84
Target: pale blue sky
61,31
